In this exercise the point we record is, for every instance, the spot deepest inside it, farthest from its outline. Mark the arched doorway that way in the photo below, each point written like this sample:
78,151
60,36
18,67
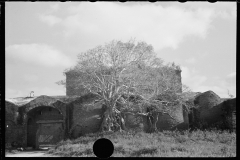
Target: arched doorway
31,132
45,126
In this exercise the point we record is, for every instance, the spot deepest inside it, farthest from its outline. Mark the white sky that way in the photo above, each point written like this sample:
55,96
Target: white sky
44,38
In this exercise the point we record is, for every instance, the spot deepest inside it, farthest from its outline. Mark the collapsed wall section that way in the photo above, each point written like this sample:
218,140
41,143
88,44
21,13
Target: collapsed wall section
211,111
176,119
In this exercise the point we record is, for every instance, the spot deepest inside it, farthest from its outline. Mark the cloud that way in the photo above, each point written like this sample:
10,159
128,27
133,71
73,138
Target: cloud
30,77
187,73
191,78
225,10
221,88
47,91
55,7
38,91
190,60
144,22
198,83
40,54
12,93
50,19
227,14
232,75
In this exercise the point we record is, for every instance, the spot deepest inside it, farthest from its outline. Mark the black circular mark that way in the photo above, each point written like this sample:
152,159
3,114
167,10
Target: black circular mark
182,1
212,1
103,148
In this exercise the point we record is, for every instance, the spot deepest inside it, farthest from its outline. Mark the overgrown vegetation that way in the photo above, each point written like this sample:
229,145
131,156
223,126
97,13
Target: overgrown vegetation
208,143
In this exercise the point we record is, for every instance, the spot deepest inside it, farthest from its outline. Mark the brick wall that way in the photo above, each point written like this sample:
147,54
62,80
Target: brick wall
85,117
71,88
72,77
179,79
13,130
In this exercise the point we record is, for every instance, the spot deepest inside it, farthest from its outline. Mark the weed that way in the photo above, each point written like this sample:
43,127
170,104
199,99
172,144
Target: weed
198,143
142,151
178,148
181,139
119,149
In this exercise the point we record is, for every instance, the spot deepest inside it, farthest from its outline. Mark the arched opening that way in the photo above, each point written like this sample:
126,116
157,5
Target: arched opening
31,132
192,118
44,126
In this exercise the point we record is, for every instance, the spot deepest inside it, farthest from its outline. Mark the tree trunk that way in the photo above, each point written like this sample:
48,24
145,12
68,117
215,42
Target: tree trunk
106,121
112,121
155,120
122,122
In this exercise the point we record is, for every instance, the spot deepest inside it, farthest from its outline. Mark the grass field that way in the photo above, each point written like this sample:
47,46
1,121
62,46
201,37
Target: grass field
162,144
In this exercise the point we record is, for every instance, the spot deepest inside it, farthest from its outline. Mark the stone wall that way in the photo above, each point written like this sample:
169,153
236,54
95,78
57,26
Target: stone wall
211,111
71,88
179,79
177,119
229,114
85,117
17,117
80,117
14,130
136,123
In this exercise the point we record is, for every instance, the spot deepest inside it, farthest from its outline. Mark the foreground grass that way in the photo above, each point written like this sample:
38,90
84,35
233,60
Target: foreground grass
162,144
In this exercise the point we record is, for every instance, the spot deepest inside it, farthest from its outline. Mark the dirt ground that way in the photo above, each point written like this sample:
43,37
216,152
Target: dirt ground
29,154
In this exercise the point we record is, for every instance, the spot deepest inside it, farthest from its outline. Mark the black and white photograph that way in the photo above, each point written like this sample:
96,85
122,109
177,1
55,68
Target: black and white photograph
113,79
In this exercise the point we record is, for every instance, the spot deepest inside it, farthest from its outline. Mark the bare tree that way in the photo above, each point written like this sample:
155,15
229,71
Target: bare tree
119,68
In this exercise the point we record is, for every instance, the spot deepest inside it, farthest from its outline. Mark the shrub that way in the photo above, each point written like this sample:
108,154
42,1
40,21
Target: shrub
145,150
178,148
119,149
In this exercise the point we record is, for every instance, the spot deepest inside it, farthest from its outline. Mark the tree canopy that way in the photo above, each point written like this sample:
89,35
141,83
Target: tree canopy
125,68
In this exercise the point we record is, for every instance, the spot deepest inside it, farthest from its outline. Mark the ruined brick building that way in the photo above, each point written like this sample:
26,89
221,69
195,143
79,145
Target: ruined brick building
46,120
43,120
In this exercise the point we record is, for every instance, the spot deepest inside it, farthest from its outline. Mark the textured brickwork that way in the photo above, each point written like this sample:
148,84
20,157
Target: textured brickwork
229,116
179,79
18,118
85,116
14,131
78,114
73,88
175,121
178,119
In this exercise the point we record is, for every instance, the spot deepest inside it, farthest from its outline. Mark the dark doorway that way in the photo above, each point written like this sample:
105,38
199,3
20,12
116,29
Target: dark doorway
49,133
45,126
31,133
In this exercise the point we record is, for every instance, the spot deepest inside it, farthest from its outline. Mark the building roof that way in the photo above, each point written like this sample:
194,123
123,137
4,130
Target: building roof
20,101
